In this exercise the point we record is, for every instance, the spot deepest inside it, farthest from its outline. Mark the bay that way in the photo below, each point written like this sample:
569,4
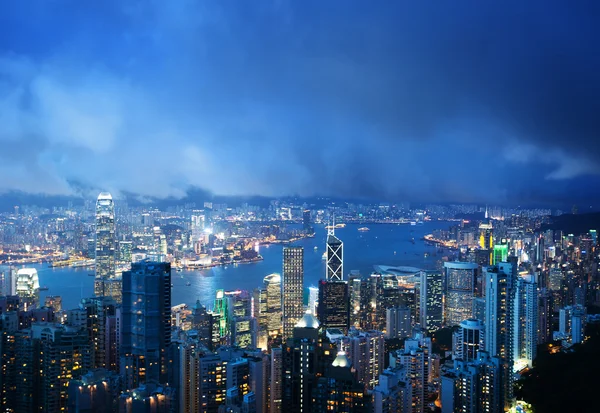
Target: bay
384,244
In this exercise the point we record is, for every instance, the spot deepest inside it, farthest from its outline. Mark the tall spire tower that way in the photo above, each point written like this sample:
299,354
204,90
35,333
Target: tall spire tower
335,249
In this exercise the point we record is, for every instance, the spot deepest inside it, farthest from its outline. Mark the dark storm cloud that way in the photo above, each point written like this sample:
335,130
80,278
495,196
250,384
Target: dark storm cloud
446,101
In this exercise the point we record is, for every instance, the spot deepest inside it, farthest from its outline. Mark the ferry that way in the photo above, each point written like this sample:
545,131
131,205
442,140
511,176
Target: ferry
364,229
336,226
44,288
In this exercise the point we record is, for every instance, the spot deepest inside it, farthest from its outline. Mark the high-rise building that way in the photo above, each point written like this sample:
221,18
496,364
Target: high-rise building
213,383
98,309
416,359
473,386
525,335
106,283
50,355
431,300
398,321
28,288
275,381
146,323
306,355
354,290
293,285
500,253
332,310
366,351
306,221
335,258
272,316
460,278
8,281
339,390
499,323
125,248
313,299
54,302
469,340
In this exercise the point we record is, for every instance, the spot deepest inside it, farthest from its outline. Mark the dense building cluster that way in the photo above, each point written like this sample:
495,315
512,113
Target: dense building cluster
356,343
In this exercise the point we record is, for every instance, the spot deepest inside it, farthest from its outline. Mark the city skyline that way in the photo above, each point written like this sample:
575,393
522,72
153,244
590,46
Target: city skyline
488,103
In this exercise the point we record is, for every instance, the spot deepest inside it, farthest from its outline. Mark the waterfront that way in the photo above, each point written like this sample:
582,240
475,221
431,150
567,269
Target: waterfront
384,244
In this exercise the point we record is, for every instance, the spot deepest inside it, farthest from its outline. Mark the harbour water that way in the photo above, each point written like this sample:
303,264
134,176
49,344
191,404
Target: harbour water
384,244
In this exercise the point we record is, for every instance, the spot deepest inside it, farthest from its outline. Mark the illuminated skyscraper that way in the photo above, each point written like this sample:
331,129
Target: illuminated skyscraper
293,284
335,262
105,283
499,323
28,288
146,323
500,252
469,340
460,289
431,300
526,320
333,308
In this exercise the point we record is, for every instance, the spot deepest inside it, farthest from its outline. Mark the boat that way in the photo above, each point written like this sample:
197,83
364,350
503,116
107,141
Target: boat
188,283
179,269
412,240
324,256
91,274
364,229
316,248
336,226
44,288
413,223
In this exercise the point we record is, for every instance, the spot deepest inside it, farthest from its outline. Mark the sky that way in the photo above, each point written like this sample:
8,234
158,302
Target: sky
445,101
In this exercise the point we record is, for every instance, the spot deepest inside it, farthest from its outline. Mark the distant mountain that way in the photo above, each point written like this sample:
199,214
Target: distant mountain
575,224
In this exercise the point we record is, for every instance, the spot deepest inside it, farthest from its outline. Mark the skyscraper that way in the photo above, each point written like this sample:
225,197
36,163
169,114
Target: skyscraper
333,308
293,282
146,325
526,320
272,286
499,323
469,340
460,280
335,262
431,300
105,283
28,288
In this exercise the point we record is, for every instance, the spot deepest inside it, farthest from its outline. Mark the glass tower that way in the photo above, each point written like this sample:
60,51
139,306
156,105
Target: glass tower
293,281
105,247
460,280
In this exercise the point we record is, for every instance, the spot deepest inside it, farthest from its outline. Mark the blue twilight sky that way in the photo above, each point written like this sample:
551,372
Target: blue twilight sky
465,101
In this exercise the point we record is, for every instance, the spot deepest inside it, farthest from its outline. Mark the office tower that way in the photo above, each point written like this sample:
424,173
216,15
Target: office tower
333,311
221,309
460,280
98,309
8,281
146,323
415,357
313,299
339,390
50,355
9,326
104,284
577,325
213,383
28,288
431,300
243,332
499,323
293,282
335,262
125,248
525,333
54,302
275,381
479,309
354,290
545,306
366,353
469,340
398,322
305,357
473,387
258,368
272,287
306,221
148,398
96,392
500,253
486,236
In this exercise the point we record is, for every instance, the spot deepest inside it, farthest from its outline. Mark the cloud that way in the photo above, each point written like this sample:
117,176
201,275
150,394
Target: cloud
276,98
